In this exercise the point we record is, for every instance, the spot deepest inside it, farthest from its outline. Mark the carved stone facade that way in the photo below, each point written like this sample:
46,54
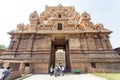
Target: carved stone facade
33,46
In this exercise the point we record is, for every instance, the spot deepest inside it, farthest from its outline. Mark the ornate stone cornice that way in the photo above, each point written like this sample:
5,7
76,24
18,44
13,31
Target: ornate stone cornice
70,20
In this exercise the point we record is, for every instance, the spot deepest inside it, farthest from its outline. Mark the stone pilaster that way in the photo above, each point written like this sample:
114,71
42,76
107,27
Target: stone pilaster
30,42
103,41
90,42
21,41
108,43
98,42
21,67
14,42
11,44
83,42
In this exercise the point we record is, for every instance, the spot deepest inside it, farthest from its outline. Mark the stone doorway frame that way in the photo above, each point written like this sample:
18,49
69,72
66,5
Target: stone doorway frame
65,45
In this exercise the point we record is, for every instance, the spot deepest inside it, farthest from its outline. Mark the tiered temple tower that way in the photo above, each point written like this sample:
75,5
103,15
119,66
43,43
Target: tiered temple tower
33,46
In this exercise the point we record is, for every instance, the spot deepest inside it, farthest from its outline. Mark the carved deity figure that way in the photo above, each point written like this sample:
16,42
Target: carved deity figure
34,18
85,15
60,7
20,27
99,26
34,15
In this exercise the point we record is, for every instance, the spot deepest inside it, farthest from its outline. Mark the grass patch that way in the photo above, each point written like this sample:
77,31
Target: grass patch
109,76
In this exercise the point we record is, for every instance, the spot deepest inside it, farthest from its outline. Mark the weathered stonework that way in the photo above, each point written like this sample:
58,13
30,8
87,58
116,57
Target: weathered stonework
33,46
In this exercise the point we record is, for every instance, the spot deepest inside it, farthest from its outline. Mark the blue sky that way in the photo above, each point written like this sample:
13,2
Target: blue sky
13,12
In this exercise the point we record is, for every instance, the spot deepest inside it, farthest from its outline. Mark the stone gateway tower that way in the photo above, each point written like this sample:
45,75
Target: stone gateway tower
84,44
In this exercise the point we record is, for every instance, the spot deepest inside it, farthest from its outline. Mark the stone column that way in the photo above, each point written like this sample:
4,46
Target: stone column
68,66
21,68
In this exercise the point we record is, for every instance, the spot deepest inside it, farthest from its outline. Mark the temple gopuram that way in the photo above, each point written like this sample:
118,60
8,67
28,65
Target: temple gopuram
60,34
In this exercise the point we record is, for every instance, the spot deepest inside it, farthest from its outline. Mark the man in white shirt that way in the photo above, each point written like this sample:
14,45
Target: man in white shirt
1,73
7,73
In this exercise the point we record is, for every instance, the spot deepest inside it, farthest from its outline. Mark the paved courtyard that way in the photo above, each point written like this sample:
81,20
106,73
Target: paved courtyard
65,77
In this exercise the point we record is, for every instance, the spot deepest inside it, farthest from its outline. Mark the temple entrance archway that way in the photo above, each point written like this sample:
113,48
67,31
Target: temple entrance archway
58,45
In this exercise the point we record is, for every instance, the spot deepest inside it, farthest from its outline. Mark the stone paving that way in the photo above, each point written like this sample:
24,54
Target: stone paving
65,77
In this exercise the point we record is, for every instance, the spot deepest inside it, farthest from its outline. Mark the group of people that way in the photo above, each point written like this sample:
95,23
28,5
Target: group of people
4,73
57,70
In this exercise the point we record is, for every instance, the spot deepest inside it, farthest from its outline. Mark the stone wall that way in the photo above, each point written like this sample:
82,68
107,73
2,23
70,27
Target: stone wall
89,41
41,68
108,65
78,65
14,75
74,43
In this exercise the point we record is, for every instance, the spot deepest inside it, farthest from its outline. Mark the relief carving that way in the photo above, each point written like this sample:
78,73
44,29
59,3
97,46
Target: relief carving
34,18
99,27
33,15
48,20
20,27
85,15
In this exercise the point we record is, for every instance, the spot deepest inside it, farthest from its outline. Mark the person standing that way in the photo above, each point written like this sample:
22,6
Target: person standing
7,73
1,73
56,71
59,70
63,70
51,70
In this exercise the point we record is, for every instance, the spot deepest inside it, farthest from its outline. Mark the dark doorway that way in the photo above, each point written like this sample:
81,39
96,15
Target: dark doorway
59,26
93,65
60,44
59,15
